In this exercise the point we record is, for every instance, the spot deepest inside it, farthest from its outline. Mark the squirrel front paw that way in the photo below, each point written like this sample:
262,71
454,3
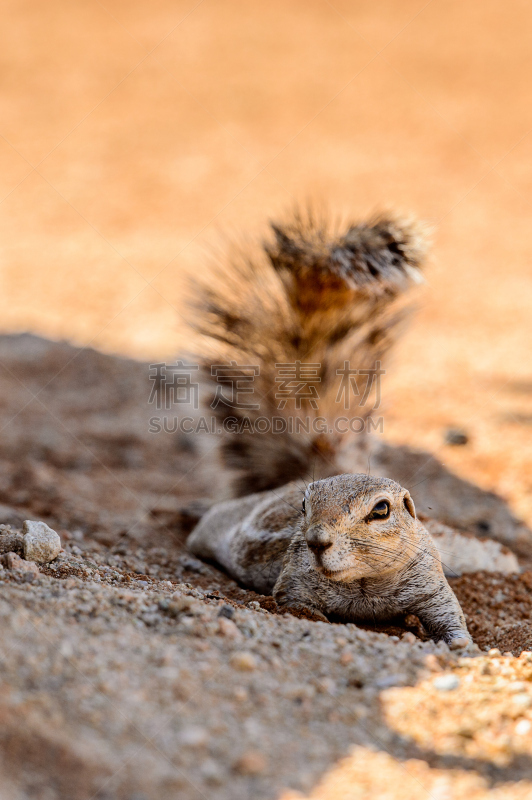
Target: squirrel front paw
462,641
290,597
299,609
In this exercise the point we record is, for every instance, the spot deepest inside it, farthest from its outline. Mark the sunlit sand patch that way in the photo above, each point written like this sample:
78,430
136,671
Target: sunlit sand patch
370,775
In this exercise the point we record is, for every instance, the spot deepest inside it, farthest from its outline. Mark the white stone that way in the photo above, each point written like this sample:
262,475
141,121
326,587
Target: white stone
40,542
446,683
522,700
523,727
194,736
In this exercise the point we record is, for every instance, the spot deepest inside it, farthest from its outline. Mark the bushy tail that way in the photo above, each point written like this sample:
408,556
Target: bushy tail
294,323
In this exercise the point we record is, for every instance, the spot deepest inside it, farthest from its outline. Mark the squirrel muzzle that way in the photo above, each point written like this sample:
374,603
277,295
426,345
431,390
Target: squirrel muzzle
318,539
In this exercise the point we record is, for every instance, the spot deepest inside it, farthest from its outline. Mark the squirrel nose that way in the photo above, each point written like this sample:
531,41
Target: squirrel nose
318,539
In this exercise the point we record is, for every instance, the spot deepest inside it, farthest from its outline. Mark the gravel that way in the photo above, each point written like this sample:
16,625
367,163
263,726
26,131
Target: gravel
95,663
130,671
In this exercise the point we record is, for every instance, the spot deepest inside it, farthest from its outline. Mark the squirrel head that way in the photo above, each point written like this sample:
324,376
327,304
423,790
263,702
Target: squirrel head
356,526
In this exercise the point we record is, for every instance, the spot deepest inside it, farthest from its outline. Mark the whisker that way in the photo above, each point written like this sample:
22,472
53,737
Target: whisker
418,483
297,510
386,550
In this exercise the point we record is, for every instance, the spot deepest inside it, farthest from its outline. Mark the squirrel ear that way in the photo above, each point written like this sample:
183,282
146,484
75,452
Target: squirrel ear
409,505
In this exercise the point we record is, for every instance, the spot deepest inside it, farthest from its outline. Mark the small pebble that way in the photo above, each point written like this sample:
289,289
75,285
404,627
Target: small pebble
523,727
522,700
456,436
180,605
17,564
10,542
446,683
250,763
228,628
390,680
517,687
326,686
194,737
432,663
243,661
226,611
41,544
212,772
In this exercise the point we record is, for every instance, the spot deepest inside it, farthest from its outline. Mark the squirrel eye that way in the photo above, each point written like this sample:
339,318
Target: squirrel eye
303,506
379,511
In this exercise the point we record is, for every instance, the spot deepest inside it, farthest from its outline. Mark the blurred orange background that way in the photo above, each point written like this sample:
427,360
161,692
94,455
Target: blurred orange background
133,133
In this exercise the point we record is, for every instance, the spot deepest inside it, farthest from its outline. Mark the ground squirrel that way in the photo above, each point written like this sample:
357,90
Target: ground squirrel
319,295
351,549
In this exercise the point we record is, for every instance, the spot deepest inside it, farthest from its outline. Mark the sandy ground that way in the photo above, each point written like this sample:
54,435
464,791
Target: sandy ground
132,671
134,137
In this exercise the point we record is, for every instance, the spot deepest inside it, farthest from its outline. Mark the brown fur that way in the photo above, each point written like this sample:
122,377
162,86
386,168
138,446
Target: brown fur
319,296
313,294
332,559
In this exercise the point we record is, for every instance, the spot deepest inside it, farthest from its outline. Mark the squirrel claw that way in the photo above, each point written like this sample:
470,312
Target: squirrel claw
459,642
